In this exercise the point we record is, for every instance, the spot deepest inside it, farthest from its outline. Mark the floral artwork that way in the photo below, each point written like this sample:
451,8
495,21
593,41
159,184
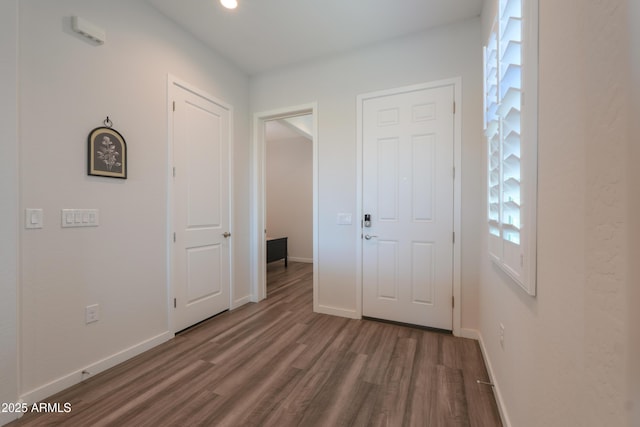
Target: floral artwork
107,153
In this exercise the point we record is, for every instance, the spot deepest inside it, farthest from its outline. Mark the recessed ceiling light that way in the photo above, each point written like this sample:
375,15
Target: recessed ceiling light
229,4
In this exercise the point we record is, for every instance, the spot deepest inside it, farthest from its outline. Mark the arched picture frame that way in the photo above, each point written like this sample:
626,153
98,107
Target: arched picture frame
107,153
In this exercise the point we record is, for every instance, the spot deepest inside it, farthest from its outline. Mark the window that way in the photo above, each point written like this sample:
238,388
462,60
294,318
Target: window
510,77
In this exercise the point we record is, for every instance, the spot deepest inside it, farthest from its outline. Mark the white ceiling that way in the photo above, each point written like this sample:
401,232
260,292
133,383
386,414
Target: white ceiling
265,34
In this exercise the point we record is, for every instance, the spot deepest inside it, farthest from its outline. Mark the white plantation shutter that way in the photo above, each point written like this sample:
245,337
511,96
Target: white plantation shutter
492,126
511,139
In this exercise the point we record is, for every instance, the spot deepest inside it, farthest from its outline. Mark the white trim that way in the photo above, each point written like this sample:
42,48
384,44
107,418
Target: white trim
529,169
296,259
471,334
170,202
359,210
173,83
240,302
457,205
336,311
77,376
502,409
258,208
456,82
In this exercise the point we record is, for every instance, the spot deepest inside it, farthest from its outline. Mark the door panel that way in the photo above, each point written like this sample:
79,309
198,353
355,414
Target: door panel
203,133
203,273
201,255
387,270
423,158
408,190
423,268
387,165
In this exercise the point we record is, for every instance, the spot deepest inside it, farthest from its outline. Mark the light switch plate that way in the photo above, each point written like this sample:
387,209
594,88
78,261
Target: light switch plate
344,219
33,218
79,218
92,313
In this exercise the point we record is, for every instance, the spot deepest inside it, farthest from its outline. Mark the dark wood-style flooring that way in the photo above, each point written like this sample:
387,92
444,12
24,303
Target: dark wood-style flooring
276,363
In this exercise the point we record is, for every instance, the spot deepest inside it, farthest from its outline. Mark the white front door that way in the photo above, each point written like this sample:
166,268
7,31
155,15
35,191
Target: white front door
201,253
407,179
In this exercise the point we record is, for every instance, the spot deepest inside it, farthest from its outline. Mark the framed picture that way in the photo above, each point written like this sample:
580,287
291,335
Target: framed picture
107,153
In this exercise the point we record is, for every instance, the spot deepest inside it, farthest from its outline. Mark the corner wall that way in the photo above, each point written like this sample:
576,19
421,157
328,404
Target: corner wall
633,160
565,354
68,87
9,206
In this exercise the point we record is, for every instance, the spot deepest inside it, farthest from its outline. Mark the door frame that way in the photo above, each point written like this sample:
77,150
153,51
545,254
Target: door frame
456,82
258,199
173,83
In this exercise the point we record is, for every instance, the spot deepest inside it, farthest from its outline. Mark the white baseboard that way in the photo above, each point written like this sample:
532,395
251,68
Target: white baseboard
74,378
7,417
296,259
341,312
242,301
469,333
496,388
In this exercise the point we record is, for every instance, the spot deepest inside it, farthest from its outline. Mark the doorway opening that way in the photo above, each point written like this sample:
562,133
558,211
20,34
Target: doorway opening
289,198
284,193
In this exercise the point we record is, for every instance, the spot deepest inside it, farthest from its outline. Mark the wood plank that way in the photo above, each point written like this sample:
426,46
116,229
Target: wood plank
276,363
448,404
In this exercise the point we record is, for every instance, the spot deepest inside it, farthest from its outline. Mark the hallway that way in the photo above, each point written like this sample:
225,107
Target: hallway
276,363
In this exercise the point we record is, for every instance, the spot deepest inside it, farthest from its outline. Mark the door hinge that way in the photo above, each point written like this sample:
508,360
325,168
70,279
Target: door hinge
175,303
174,105
454,107
174,237
174,171
454,172
454,237
453,302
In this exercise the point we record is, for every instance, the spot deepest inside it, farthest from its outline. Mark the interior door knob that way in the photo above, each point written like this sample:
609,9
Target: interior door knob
369,237
226,234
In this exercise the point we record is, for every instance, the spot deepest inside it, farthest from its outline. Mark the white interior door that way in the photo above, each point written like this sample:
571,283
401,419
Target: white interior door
408,191
201,252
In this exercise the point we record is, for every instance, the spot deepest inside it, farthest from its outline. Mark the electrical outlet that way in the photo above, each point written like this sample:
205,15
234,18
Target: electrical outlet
501,332
92,313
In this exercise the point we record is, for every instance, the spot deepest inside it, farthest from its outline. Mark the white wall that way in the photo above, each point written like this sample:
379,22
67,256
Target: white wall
565,355
289,182
634,207
68,87
335,83
9,205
